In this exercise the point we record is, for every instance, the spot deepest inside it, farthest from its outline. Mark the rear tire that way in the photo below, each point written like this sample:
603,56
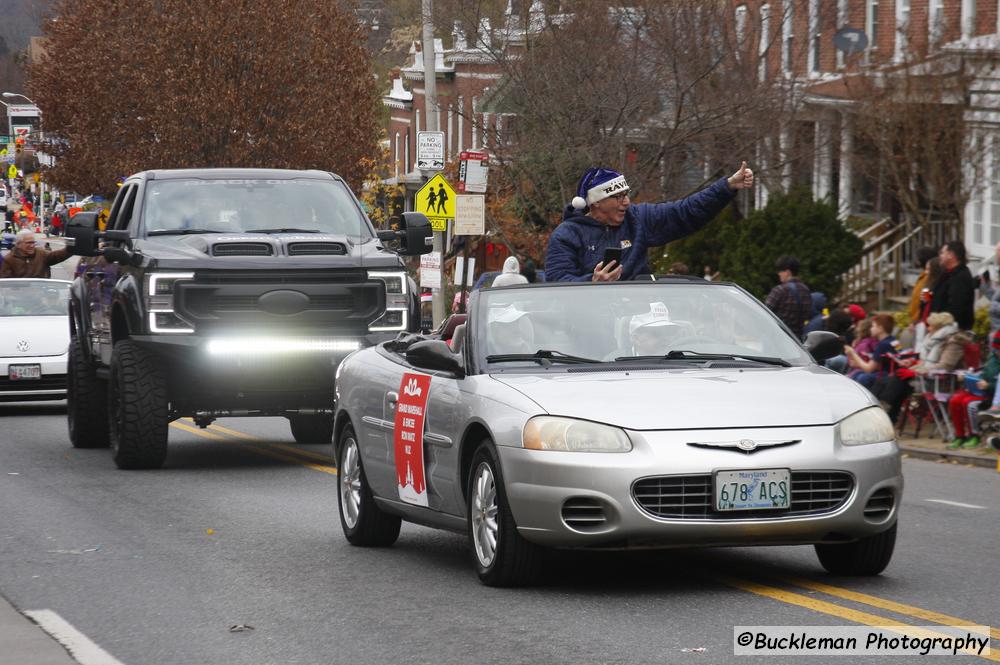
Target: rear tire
86,401
868,556
137,408
312,429
363,522
502,556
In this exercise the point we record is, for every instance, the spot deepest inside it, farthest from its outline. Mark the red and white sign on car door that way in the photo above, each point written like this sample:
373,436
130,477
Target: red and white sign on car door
408,438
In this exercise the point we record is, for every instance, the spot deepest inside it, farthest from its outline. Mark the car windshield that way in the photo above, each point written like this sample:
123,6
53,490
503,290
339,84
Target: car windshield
629,323
21,297
298,205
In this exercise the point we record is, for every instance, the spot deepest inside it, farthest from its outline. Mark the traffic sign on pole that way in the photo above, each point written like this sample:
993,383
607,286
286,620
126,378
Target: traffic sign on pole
430,151
470,215
436,199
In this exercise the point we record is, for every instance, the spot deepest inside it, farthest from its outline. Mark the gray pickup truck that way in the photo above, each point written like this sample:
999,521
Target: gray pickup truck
226,292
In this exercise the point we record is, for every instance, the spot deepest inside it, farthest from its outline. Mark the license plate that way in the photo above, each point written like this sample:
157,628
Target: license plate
753,489
23,372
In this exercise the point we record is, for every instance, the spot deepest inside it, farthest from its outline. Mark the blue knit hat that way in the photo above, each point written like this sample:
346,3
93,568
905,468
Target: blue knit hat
598,184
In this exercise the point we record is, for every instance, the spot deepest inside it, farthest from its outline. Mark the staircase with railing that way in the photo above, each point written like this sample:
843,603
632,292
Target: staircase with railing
885,272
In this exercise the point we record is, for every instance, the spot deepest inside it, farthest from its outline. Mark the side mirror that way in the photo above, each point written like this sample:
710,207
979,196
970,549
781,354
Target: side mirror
437,355
81,234
823,345
415,236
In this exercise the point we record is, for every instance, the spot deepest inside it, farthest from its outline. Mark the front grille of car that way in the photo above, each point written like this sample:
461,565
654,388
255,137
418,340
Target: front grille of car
584,514
316,248
879,506
242,249
47,382
690,497
249,303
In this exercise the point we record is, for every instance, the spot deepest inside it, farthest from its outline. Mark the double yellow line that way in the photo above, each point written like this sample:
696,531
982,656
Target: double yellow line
279,451
850,614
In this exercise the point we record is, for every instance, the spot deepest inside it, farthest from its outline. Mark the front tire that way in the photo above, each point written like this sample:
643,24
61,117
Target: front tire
137,408
868,556
502,556
363,522
312,429
86,401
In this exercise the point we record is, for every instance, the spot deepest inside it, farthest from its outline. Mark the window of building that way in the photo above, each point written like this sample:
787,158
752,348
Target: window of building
871,23
968,18
787,38
815,36
935,20
741,24
765,38
902,27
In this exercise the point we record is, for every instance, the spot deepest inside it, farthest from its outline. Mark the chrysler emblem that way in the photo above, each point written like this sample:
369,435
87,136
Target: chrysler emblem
746,444
22,345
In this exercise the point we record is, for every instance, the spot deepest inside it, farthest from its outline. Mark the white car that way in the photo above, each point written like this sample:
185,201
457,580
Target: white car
34,339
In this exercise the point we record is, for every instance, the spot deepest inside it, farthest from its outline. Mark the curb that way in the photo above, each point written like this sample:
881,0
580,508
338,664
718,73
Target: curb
936,455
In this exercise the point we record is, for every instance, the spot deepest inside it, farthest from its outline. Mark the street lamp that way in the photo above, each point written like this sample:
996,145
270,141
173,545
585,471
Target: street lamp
8,95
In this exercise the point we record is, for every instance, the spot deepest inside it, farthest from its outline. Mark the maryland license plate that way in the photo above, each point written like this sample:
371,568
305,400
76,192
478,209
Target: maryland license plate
24,372
753,489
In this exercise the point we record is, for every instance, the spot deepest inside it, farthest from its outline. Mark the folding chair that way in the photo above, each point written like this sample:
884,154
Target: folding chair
938,387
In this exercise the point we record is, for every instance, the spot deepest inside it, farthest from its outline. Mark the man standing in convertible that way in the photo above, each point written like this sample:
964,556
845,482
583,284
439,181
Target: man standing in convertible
602,217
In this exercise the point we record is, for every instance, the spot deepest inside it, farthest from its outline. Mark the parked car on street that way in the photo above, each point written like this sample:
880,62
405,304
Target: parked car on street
34,339
674,413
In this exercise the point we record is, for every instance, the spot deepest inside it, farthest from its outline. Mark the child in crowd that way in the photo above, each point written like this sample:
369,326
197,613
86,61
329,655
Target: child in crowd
963,407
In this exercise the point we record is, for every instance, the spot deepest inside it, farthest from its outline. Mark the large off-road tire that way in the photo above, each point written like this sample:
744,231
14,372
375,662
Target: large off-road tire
364,523
868,556
502,556
137,408
86,401
312,429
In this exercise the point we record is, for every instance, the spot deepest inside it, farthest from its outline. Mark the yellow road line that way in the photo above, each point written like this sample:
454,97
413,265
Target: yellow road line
824,607
324,468
282,446
892,606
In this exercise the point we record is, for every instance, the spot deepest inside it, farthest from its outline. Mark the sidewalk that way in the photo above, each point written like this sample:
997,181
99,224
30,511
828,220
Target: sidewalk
933,448
24,643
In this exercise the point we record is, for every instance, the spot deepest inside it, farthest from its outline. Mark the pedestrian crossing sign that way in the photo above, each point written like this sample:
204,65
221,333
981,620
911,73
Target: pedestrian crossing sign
436,200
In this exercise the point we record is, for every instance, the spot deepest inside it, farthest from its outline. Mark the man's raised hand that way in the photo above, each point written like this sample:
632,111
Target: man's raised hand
742,179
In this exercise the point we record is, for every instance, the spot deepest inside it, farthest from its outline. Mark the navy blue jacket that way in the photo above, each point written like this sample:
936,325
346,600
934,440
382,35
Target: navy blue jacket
578,243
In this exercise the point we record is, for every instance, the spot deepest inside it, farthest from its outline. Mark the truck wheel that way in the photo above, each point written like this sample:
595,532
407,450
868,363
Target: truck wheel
364,524
312,429
868,556
137,408
86,401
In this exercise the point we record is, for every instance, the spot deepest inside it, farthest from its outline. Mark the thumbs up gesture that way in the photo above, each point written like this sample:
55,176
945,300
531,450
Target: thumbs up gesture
742,179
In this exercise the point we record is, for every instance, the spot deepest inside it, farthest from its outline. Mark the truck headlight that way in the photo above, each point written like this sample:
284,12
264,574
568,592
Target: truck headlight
397,302
160,302
872,425
574,436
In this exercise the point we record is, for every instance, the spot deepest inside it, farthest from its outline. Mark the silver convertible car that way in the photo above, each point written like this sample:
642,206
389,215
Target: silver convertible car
671,413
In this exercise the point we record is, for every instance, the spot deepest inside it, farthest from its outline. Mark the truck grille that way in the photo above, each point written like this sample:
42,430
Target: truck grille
690,497
323,301
242,249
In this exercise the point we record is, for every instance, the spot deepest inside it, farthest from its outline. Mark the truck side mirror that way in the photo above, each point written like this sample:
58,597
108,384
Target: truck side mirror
414,235
81,234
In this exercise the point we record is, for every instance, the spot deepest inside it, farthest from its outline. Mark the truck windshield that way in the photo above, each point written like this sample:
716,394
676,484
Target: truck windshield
299,205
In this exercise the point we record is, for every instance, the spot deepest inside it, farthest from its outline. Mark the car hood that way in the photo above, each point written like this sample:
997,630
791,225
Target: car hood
27,336
696,398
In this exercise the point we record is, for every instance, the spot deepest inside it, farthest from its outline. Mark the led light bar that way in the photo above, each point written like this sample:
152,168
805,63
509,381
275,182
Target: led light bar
239,346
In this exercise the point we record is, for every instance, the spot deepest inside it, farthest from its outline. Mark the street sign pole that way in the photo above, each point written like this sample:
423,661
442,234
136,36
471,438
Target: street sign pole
431,116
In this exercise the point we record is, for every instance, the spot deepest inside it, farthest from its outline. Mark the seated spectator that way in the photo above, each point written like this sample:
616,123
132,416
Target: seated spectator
841,324
879,364
963,407
863,344
819,313
943,350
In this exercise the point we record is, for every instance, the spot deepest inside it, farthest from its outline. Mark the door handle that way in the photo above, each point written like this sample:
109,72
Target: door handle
391,399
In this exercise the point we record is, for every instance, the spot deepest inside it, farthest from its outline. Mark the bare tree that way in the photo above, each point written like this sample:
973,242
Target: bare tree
169,83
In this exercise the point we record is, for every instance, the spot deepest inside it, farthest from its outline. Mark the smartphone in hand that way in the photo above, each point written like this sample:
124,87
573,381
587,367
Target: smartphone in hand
612,254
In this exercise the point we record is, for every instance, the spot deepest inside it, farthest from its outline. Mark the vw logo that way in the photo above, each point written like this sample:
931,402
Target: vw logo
746,444
22,345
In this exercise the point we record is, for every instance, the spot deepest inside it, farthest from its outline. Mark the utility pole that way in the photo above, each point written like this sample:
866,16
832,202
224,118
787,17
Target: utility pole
431,119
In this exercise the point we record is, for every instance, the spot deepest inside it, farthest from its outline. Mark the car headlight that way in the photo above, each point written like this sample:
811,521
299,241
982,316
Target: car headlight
160,302
868,426
575,436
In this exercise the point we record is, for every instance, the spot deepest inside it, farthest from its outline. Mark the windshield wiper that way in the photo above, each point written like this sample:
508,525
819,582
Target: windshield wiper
544,357
681,354
179,232
286,230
